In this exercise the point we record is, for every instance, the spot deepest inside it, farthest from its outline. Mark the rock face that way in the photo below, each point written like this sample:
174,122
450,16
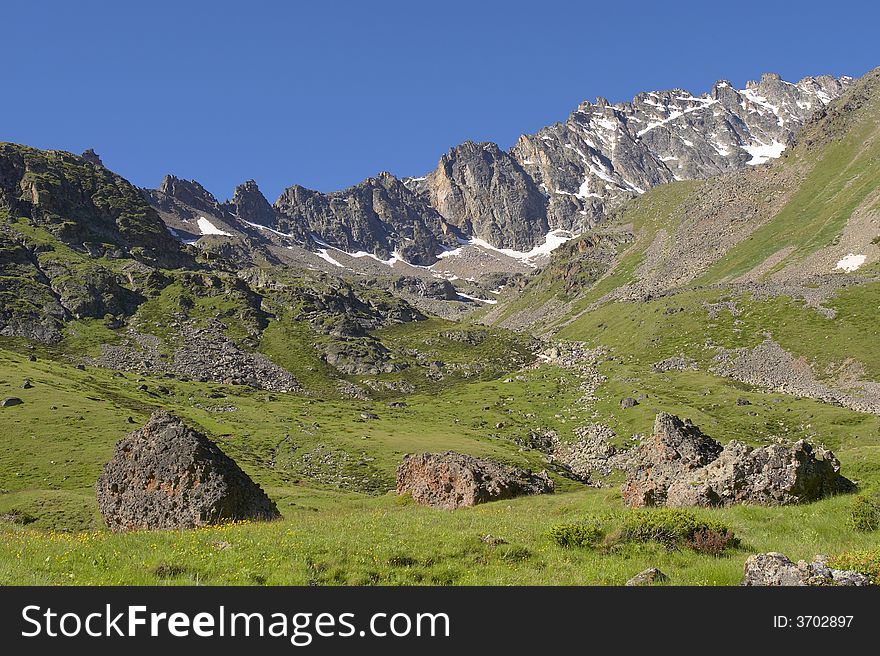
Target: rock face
486,193
680,466
774,569
452,480
97,217
167,475
379,216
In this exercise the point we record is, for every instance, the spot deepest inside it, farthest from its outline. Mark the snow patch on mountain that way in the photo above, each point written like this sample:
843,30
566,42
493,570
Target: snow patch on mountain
851,262
208,228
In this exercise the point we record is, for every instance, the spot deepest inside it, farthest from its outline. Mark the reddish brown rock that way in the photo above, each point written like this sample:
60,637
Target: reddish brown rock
453,480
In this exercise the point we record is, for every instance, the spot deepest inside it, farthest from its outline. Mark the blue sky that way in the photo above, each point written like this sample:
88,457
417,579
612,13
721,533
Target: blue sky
324,94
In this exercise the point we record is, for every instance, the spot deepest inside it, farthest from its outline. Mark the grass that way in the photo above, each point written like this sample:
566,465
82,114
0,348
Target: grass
389,541
331,534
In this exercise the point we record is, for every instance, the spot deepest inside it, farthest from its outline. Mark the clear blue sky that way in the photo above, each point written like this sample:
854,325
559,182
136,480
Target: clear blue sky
327,93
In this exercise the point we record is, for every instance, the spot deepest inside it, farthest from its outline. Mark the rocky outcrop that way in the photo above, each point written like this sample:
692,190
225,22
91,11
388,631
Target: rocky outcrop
486,193
167,475
92,210
249,204
453,480
71,232
771,475
674,450
775,569
379,216
680,466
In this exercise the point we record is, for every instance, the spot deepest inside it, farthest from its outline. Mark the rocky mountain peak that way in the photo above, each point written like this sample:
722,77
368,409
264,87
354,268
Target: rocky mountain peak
250,205
189,192
485,192
92,157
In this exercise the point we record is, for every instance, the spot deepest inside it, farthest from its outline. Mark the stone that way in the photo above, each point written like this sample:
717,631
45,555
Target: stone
674,449
775,569
743,402
27,384
453,480
169,476
10,401
649,576
772,475
628,402
680,466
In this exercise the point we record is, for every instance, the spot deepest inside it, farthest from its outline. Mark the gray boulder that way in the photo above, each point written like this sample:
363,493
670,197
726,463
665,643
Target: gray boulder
167,475
453,480
771,476
10,401
680,466
775,569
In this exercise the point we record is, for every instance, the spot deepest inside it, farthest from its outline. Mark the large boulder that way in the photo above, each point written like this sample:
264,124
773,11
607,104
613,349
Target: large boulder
454,480
674,449
167,475
775,569
771,476
680,466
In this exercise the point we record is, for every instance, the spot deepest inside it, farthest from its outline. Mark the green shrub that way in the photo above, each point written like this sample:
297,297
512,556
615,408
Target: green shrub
864,562
675,528
865,513
576,535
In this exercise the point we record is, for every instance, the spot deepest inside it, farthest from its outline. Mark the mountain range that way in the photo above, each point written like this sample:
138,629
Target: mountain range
519,203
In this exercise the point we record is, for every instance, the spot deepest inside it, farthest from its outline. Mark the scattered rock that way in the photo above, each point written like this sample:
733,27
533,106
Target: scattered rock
32,358
453,480
591,454
743,402
775,569
10,401
627,403
492,540
27,384
649,576
166,475
369,416
680,466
